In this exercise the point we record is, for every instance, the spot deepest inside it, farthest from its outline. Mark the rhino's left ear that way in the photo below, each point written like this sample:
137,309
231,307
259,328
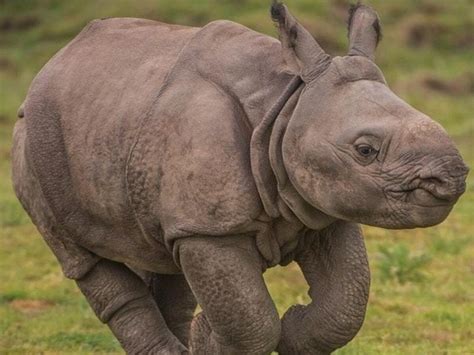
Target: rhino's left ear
365,31
301,52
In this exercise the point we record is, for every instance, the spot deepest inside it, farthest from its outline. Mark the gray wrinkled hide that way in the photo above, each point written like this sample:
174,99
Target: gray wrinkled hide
217,152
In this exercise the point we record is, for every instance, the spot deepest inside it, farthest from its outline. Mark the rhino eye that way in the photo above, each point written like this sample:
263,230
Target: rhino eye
366,150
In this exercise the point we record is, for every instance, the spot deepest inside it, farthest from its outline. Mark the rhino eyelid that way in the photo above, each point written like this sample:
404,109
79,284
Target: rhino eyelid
371,139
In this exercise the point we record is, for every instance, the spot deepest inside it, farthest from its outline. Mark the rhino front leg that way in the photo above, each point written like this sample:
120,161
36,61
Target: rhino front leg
239,316
176,303
334,263
122,300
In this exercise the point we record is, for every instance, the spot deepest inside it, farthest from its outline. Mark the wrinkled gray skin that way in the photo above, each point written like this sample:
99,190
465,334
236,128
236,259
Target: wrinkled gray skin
199,157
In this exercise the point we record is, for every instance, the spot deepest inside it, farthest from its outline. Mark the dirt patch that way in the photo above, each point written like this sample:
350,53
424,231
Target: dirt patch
431,7
421,30
30,306
6,65
460,85
18,23
460,298
440,336
340,9
426,30
326,35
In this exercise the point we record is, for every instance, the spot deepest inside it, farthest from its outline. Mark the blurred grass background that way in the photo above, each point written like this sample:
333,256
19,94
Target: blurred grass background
422,296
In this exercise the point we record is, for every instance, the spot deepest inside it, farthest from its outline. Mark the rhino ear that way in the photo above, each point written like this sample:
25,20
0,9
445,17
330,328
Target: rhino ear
301,52
365,31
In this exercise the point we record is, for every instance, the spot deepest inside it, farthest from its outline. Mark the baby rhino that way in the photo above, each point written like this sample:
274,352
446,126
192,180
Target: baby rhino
169,166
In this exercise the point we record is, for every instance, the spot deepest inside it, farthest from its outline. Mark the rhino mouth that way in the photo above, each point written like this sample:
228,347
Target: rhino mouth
430,192
429,198
443,191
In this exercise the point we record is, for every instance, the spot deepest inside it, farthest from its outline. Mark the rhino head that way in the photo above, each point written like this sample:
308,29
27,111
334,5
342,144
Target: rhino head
352,148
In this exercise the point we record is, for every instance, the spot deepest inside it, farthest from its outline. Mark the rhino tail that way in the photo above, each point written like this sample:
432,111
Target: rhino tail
21,111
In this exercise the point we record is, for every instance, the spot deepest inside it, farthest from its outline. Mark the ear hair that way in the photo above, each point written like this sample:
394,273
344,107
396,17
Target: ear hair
376,25
301,52
364,31
278,13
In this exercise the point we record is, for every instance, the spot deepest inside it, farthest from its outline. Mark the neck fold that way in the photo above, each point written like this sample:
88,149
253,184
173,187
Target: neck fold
278,195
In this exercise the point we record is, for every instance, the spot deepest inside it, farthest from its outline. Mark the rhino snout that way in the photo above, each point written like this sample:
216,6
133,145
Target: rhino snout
448,184
440,183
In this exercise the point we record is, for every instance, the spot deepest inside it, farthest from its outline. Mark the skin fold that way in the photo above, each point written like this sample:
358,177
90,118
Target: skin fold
169,166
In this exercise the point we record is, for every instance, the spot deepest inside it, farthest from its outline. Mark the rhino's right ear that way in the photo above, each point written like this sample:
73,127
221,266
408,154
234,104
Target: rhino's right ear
301,52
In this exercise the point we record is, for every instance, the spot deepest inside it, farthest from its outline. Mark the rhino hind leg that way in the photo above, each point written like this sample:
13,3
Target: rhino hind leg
239,316
176,302
121,299
117,295
74,259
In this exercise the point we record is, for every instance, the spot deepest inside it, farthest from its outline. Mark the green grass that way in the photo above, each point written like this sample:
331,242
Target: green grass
396,263
425,42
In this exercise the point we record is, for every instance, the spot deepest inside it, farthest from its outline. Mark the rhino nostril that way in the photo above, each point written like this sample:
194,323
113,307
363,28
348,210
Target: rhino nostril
434,181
